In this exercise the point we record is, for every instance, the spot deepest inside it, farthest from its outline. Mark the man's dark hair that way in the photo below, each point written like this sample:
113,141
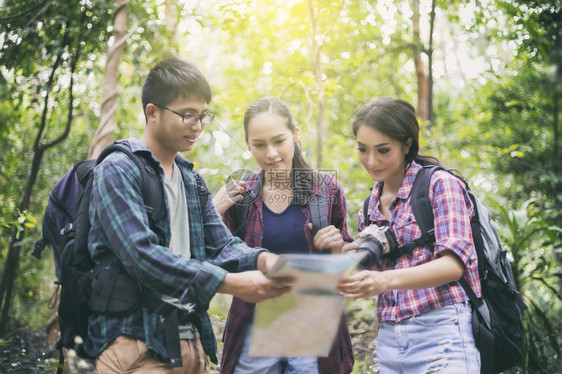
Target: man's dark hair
172,78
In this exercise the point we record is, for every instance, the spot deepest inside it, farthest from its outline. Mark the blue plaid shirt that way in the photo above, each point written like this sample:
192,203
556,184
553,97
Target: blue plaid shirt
120,225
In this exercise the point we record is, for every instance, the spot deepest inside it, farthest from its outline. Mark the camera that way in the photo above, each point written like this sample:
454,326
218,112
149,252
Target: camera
375,241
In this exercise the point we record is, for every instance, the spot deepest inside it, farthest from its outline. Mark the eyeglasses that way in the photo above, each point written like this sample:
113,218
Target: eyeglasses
190,118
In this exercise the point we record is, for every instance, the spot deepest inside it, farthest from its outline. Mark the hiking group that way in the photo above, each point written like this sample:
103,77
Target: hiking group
154,247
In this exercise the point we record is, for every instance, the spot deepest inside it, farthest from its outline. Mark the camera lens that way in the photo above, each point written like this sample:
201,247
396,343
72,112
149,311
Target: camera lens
374,250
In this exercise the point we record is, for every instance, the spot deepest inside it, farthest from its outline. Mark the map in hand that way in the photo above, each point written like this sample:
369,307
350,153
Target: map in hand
303,322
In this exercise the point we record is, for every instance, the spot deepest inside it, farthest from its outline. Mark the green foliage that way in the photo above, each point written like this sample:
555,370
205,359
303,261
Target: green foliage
537,28
24,219
532,242
521,109
363,326
42,44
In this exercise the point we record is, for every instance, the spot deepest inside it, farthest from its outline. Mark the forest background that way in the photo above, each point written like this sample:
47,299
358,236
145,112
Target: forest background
484,75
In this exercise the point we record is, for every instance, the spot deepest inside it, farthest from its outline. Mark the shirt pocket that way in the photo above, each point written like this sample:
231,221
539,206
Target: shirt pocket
407,230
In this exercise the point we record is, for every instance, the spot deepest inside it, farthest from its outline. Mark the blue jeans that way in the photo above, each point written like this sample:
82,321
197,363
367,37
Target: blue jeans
272,365
439,341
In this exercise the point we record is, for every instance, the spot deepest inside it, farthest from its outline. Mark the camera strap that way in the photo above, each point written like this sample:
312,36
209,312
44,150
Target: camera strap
425,239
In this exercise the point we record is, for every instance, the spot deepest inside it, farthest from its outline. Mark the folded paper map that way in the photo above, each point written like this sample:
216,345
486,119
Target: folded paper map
303,322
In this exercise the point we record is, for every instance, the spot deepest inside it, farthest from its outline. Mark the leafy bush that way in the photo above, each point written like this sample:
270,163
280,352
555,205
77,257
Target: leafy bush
532,241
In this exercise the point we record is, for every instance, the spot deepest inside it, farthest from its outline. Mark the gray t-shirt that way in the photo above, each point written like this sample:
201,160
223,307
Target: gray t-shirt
179,242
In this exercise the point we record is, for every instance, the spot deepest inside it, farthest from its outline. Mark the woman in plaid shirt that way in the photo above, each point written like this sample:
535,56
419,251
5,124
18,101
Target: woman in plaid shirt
424,314
279,220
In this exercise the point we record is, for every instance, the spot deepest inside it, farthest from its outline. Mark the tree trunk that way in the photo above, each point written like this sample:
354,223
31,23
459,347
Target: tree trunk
317,69
430,115
104,134
556,98
171,20
12,264
417,47
556,133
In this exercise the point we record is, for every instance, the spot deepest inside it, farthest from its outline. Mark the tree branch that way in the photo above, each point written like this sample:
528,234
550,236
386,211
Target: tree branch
25,12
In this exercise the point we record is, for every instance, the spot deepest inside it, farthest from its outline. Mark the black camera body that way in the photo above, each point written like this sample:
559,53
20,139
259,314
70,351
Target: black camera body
375,241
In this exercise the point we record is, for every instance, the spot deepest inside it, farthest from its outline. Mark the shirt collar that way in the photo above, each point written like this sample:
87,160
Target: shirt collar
405,187
138,146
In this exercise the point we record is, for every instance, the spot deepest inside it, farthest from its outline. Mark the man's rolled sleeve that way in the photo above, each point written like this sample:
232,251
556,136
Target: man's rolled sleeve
204,284
250,262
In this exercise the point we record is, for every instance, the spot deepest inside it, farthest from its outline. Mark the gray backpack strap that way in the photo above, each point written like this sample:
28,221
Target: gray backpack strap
241,209
366,210
318,208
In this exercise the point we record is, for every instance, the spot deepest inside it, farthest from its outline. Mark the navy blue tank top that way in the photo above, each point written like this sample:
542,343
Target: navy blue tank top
284,232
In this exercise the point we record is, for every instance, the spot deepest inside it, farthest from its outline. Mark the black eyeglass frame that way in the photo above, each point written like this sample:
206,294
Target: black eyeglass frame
196,118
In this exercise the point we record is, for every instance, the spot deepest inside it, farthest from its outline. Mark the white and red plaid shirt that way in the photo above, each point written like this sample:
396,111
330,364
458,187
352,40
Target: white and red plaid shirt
452,210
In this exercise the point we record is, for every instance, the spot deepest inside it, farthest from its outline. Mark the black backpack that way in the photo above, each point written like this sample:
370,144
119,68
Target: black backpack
496,316
105,288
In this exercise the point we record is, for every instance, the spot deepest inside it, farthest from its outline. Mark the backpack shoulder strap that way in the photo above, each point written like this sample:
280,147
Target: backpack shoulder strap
366,210
318,207
423,211
240,209
83,170
240,213
202,190
419,197
151,186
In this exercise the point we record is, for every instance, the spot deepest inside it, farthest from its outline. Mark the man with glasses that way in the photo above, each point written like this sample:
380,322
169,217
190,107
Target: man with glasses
201,257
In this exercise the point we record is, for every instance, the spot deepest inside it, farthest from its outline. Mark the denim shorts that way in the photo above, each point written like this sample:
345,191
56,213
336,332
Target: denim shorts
272,365
439,341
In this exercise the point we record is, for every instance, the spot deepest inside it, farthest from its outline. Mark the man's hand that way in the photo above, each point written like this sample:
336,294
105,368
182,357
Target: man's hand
266,260
253,286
